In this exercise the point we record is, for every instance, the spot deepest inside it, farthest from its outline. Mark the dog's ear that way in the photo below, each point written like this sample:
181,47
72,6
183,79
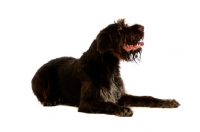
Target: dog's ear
106,40
104,43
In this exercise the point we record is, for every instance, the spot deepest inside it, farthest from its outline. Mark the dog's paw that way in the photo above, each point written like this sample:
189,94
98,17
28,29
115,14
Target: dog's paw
170,103
52,103
124,112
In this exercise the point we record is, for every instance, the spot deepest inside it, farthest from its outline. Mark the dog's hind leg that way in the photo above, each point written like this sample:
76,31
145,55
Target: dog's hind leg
147,101
44,88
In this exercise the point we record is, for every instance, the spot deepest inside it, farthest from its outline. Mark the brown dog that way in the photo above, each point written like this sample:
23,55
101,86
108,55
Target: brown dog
93,82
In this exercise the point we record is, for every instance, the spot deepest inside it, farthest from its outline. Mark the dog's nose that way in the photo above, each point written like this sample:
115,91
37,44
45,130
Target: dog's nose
141,28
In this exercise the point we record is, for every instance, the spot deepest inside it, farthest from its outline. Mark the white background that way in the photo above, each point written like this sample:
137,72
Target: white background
32,32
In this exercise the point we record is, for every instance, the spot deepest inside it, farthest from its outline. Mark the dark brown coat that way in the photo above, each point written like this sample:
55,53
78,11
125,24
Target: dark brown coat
93,82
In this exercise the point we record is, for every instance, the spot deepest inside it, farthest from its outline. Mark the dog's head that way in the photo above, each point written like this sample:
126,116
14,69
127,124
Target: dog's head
121,40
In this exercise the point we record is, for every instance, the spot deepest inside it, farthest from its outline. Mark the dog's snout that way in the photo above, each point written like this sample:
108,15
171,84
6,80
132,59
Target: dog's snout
141,28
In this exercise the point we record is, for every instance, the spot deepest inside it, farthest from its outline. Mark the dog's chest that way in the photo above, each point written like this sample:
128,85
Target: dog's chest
112,94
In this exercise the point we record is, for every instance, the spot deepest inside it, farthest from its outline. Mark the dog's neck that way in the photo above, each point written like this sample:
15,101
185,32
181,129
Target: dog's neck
105,62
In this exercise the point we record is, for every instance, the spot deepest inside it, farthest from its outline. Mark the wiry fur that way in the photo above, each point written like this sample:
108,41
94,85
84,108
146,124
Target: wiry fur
93,82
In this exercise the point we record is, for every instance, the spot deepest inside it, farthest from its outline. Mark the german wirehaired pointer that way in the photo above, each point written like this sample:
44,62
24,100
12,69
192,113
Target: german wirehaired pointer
93,82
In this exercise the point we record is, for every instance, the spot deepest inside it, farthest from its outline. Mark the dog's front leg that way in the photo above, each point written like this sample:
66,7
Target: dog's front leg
104,108
147,101
92,102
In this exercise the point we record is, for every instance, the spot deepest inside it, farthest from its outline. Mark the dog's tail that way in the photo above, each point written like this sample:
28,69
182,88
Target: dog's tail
41,84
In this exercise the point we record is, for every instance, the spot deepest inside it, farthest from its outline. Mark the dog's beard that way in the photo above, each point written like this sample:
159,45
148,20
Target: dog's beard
135,55
133,51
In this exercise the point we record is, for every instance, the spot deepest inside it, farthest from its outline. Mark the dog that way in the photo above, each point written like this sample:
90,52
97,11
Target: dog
93,82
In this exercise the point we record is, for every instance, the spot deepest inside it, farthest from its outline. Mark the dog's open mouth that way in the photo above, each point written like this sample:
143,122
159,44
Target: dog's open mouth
129,47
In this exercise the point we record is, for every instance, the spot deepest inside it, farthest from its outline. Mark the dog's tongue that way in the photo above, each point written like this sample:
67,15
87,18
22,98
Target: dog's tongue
133,47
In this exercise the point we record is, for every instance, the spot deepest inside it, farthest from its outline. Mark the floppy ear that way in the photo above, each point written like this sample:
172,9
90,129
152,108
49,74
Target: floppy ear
104,43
